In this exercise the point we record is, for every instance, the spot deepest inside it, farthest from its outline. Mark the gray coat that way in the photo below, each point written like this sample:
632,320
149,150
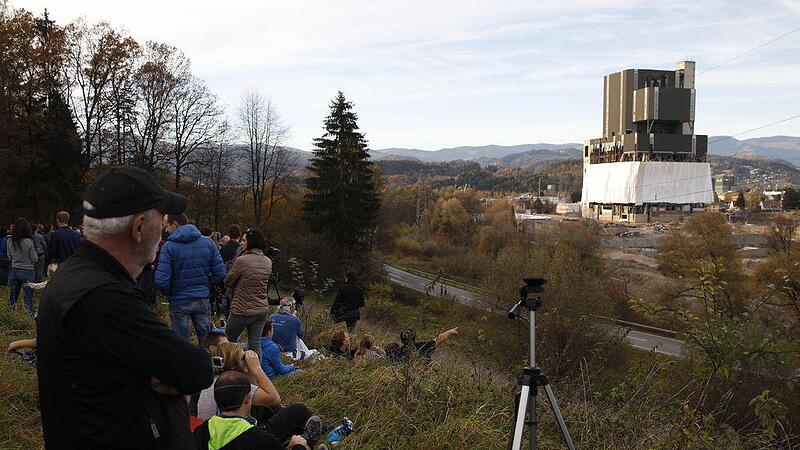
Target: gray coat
22,254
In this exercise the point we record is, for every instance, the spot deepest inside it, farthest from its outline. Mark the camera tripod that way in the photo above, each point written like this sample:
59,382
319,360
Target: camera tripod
273,281
532,376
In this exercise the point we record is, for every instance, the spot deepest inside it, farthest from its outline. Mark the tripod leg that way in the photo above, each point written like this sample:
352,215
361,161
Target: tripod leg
559,418
532,424
513,421
519,424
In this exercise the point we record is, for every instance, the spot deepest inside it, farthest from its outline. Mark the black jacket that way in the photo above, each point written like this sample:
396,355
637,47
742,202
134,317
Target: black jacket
349,299
99,344
253,438
228,251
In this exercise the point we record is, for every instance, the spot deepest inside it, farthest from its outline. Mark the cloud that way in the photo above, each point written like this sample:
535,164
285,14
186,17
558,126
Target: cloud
421,72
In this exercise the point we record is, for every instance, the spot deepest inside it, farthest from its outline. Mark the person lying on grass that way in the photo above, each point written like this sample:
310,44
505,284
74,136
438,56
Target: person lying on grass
410,345
26,349
340,346
367,349
234,428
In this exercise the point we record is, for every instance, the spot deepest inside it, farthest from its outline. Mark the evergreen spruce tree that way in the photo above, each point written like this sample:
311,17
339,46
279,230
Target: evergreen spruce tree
342,201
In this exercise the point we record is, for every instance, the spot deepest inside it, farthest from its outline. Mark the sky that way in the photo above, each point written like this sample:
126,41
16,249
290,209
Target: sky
445,73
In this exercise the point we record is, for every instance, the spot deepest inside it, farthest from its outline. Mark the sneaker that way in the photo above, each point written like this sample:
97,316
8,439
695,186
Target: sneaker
313,430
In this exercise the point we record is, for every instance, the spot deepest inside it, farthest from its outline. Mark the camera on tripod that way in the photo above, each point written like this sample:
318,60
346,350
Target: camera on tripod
532,286
532,377
272,252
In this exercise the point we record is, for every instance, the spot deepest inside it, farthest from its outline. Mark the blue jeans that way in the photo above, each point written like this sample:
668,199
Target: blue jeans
16,278
199,311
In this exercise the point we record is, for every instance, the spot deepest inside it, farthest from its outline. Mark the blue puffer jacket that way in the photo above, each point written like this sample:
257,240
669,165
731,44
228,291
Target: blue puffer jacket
189,264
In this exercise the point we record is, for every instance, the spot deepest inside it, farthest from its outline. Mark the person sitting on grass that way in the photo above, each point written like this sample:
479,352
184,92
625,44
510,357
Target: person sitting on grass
288,331
410,345
367,349
231,356
213,340
340,346
271,356
234,429
287,327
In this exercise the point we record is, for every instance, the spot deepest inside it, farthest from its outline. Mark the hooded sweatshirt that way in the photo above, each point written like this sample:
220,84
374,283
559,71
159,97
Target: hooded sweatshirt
188,266
235,433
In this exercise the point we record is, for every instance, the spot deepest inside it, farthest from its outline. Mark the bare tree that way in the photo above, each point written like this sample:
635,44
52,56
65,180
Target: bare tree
121,97
195,123
157,82
269,162
95,54
215,172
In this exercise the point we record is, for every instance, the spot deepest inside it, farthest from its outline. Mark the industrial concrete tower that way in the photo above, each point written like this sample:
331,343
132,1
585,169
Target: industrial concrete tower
649,163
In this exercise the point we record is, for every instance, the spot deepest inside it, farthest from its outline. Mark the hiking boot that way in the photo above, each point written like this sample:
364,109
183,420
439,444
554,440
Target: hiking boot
313,430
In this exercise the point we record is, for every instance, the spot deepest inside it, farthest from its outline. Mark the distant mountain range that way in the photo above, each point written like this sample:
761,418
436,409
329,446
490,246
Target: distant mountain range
785,148
485,152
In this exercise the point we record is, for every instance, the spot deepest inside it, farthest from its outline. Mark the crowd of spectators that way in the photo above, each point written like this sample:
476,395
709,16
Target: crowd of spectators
112,374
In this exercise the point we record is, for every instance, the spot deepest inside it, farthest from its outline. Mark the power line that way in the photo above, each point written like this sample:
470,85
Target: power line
749,51
755,129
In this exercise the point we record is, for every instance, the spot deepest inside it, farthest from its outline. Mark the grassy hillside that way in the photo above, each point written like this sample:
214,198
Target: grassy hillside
461,399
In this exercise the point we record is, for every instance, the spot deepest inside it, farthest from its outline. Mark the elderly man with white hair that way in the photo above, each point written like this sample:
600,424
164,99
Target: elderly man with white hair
111,374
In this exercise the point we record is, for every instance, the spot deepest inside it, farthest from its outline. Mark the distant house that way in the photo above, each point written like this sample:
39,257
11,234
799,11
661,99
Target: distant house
770,205
527,223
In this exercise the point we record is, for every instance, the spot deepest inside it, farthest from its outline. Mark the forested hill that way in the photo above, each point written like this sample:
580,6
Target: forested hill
774,147
522,172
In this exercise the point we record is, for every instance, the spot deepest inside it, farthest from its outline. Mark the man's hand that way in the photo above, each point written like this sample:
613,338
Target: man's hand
162,388
297,440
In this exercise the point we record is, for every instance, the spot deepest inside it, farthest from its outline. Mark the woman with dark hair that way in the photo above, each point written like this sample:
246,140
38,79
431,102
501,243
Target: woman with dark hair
247,280
22,253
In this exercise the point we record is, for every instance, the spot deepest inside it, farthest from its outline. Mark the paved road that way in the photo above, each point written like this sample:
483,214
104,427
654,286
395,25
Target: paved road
638,339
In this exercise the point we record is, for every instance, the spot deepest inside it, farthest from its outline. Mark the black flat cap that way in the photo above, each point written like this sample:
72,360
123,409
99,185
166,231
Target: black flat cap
123,191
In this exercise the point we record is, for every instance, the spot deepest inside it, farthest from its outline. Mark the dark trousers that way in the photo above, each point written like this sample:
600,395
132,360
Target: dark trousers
254,325
347,315
282,422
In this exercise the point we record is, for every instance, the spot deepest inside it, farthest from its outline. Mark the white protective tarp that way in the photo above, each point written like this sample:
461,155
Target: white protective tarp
647,182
